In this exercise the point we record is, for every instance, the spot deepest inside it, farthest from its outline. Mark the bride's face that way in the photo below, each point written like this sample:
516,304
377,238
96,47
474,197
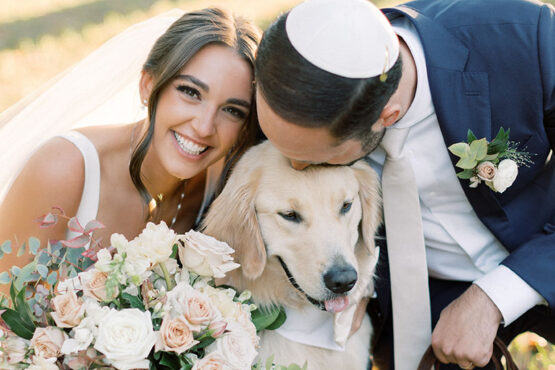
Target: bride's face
201,111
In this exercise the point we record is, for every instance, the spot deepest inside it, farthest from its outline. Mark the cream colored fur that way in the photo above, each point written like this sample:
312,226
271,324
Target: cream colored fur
246,216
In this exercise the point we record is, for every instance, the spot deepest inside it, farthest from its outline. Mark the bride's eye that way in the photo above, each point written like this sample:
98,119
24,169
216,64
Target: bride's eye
237,113
188,90
346,207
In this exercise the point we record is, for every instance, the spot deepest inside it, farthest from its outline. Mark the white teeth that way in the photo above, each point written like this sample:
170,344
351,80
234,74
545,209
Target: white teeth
188,146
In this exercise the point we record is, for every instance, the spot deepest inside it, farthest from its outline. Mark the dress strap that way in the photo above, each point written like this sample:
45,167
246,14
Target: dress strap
88,207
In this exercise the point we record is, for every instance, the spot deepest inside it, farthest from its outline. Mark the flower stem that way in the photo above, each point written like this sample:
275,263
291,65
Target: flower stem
166,276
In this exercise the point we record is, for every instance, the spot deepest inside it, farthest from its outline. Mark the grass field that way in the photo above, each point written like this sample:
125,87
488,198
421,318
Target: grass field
41,38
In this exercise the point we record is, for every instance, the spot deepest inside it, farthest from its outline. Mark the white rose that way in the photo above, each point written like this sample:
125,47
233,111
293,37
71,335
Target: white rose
236,347
126,337
155,243
40,363
205,255
507,170
223,300
104,260
15,347
80,337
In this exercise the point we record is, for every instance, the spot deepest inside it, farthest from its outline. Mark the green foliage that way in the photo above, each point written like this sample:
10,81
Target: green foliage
133,301
499,144
268,318
270,365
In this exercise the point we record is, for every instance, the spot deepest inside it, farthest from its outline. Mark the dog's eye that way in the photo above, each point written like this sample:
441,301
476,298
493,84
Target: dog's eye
346,207
291,216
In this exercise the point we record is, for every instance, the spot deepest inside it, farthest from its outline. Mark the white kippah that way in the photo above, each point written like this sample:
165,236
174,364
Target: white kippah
349,38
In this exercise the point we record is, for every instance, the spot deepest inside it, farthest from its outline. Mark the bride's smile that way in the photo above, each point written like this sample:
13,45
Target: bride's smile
200,112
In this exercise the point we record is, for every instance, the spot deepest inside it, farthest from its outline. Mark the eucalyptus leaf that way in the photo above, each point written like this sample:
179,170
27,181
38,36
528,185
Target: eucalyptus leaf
480,147
21,250
491,157
34,245
466,174
5,278
42,270
460,149
1,254
468,162
25,275
15,270
6,247
52,278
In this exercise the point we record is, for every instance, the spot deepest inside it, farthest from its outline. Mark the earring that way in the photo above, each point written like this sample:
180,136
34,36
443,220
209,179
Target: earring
145,102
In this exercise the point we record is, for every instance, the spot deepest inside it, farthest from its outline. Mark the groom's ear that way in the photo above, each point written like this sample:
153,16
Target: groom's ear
145,85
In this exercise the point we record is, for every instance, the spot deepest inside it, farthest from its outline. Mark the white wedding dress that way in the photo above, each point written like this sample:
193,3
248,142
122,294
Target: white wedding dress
101,89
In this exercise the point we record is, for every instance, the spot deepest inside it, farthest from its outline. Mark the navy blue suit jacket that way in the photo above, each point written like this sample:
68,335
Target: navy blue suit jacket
491,64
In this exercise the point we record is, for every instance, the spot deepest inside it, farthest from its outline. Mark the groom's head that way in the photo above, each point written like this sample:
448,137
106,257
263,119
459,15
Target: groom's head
325,72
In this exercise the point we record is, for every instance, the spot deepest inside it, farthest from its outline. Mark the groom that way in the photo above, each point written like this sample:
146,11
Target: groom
333,78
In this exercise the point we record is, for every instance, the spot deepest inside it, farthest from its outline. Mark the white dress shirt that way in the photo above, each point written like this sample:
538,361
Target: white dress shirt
458,246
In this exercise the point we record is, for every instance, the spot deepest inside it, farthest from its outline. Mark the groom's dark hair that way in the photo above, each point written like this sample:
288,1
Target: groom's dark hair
308,96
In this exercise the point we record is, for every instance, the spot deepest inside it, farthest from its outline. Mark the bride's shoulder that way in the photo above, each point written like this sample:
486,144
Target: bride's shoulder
53,175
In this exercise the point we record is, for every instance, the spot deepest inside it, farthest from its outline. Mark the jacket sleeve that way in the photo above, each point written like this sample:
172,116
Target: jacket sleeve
534,261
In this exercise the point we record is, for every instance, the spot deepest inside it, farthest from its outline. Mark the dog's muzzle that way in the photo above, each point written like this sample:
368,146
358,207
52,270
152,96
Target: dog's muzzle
339,279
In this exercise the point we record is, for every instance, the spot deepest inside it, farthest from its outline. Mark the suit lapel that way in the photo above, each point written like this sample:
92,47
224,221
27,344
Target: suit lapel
461,100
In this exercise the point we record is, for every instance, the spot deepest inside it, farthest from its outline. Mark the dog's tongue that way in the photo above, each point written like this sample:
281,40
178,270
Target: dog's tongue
337,304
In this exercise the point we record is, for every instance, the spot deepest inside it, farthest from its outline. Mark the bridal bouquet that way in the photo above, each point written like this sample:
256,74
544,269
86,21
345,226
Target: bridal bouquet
146,303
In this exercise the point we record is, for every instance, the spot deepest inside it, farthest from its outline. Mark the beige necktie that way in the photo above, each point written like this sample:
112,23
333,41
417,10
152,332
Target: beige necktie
407,256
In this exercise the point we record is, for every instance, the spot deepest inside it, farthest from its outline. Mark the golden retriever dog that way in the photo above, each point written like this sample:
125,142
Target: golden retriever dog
302,238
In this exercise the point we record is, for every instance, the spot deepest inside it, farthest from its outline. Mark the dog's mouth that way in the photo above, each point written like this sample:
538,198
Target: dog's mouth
336,303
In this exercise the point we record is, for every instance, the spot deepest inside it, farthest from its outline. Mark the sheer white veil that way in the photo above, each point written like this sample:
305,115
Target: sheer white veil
100,89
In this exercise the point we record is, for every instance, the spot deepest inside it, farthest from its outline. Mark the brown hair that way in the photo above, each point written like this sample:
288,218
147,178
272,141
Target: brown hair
308,96
183,39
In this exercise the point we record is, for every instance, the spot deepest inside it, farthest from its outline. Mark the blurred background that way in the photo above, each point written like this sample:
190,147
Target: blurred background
41,38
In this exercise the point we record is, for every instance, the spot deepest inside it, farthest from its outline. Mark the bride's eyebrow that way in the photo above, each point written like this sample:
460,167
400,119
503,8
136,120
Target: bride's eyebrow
194,80
205,87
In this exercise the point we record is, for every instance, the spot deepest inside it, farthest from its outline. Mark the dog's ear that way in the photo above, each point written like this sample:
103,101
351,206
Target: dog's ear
371,200
232,219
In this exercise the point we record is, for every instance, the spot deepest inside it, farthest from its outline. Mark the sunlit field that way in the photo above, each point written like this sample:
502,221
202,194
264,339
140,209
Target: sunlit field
41,38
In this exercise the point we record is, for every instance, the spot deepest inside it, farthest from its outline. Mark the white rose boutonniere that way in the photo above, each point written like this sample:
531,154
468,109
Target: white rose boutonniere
495,163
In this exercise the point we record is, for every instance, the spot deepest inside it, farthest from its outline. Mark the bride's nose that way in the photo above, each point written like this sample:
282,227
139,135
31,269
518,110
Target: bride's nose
204,123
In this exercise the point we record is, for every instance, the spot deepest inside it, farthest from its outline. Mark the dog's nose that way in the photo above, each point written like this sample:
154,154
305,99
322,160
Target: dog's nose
340,279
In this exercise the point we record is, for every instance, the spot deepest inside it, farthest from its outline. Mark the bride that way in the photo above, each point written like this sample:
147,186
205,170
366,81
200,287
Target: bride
197,89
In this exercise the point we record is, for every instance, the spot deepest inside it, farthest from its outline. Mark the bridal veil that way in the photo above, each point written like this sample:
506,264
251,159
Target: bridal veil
100,89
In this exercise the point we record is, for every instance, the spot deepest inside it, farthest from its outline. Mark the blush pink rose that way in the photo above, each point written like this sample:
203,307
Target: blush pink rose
48,341
175,335
486,171
68,310
94,286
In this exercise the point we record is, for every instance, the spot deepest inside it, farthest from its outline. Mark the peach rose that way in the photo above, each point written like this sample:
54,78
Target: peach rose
193,305
212,361
48,341
175,335
94,286
68,310
486,171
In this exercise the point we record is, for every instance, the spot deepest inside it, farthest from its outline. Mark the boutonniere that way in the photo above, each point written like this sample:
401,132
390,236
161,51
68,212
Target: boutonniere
495,163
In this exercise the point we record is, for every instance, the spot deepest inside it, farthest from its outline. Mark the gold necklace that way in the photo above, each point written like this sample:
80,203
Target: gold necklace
156,203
